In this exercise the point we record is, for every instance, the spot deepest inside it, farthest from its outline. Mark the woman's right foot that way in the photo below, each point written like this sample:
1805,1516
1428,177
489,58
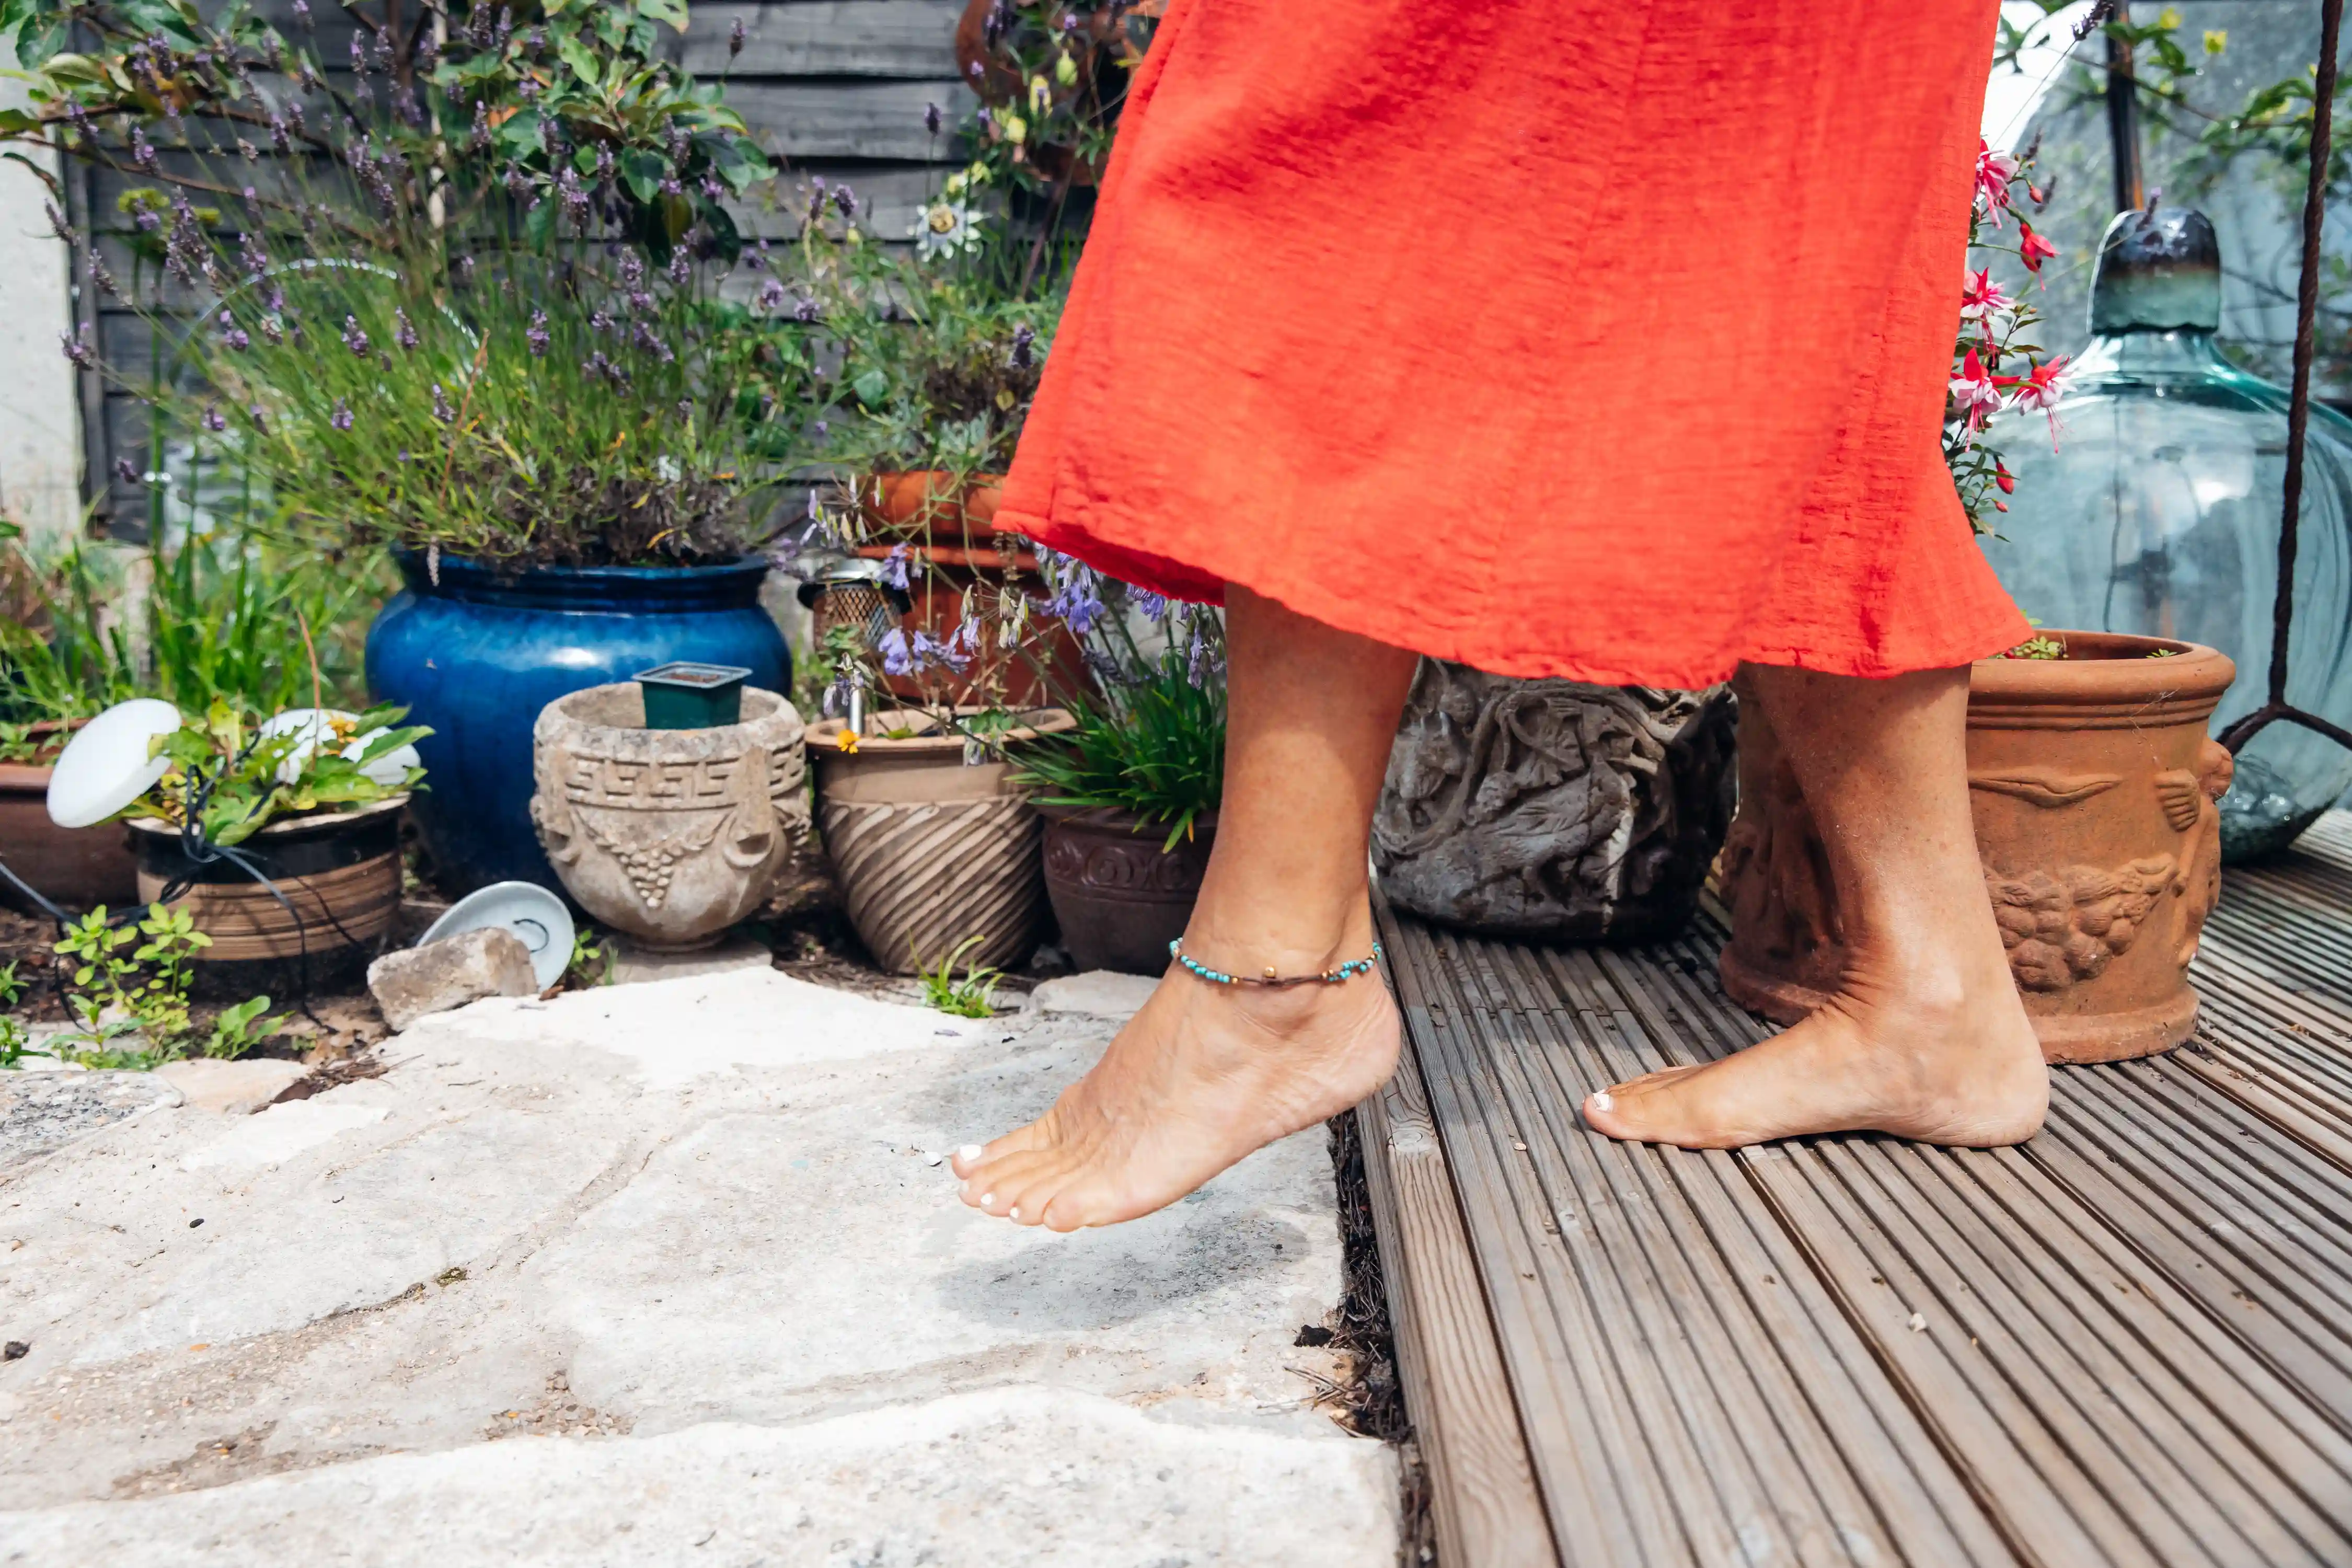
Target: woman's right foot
1930,1057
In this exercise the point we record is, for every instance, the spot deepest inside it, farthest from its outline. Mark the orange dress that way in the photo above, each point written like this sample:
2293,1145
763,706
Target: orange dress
1596,340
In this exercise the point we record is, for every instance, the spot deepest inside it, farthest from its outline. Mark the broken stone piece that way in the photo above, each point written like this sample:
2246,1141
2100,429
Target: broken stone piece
1098,993
232,1089
414,982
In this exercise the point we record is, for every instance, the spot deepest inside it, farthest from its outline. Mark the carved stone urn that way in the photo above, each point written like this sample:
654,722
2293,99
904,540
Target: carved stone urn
2093,783
671,836
1553,808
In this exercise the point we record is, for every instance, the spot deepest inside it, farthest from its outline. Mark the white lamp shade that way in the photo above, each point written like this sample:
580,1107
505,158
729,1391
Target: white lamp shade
105,766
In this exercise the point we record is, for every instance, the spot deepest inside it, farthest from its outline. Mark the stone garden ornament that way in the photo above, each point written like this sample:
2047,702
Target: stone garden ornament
1553,807
671,836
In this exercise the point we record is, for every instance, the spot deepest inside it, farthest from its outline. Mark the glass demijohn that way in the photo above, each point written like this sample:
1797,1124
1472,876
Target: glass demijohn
2156,510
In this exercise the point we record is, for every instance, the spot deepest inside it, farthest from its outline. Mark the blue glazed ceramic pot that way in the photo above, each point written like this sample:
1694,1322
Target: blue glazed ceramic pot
477,654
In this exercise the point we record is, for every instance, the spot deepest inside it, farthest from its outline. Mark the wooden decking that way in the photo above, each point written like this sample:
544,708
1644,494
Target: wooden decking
2128,1343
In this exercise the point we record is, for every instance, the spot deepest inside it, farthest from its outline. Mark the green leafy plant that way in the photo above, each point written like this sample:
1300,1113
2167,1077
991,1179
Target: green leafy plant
236,1030
16,1040
591,960
232,779
1155,749
974,997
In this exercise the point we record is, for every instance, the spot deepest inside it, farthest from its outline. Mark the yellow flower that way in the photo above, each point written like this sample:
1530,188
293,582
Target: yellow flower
2169,19
845,740
1066,71
1016,129
2216,39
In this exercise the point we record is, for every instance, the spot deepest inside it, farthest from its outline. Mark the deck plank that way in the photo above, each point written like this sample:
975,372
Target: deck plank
2128,1341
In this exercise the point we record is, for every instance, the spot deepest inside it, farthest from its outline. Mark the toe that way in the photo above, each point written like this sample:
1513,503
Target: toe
973,1157
1617,1110
997,1185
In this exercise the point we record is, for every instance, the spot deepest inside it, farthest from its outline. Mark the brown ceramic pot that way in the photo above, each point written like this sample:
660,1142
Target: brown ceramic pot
339,871
76,869
930,850
1120,897
2093,781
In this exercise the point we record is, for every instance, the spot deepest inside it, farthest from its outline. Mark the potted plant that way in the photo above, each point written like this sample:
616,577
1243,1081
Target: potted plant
1129,798
278,838
2091,776
2094,785
488,335
216,617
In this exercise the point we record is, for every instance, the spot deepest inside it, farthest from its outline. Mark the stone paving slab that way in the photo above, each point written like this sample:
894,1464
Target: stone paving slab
1041,1478
693,1228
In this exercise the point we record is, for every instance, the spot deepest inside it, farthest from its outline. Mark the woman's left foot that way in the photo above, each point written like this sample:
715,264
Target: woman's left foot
1204,1075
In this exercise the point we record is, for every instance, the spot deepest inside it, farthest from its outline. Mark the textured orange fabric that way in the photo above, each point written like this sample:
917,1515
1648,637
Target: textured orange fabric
1597,340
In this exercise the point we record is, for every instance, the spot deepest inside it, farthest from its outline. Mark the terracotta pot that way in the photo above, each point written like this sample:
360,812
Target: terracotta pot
935,505
339,872
928,850
1120,899
77,868
1553,808
996,78
671,836
2093,783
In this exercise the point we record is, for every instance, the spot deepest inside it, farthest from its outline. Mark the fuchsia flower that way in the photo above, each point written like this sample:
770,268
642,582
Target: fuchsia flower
1982,298
1994,172
2031,248
2040,392
1974,394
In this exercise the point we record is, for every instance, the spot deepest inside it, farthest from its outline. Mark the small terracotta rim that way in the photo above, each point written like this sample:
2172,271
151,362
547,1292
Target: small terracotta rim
2125,676
823,736
317,823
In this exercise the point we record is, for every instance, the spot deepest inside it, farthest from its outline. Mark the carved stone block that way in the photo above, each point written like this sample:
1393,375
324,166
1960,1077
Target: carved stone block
1553,807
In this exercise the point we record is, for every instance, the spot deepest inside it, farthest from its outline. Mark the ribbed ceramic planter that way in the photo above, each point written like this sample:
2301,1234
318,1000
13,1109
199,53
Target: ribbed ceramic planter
2093,784
475,651
1120,897
930,851
76,869
339,874
671,836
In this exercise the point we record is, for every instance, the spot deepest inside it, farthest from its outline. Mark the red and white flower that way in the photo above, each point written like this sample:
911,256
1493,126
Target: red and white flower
1994,172
2031,248
2040,391
1982,298
1975,396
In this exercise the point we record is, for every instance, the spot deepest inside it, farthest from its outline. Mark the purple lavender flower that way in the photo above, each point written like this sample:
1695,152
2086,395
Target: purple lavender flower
1024,344
125,472
233,336
250,256
642,302
537,336
302,12
277,139
505,29
407,334
57,224
354,339
806,310
341,417
756,259
897,655
771,295
252,197
681,267
534,43
464,271
100,276
931,118
77,347
480,141
212,419
518,183
260,420
644,338
358,57
148,219
846,200
735,38
272,330
894,566
600,322
441,410
633,269
247,151
671,187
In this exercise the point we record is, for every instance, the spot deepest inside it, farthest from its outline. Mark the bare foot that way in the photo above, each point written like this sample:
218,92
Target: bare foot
1932,1060
1202,1076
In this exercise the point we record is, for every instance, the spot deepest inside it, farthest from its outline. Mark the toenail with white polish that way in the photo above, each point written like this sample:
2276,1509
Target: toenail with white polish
1013,1214
1601,1100
986,1199
969,1152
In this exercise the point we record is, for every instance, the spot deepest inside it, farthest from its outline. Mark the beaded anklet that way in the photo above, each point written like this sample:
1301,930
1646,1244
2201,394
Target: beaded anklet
1346,971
